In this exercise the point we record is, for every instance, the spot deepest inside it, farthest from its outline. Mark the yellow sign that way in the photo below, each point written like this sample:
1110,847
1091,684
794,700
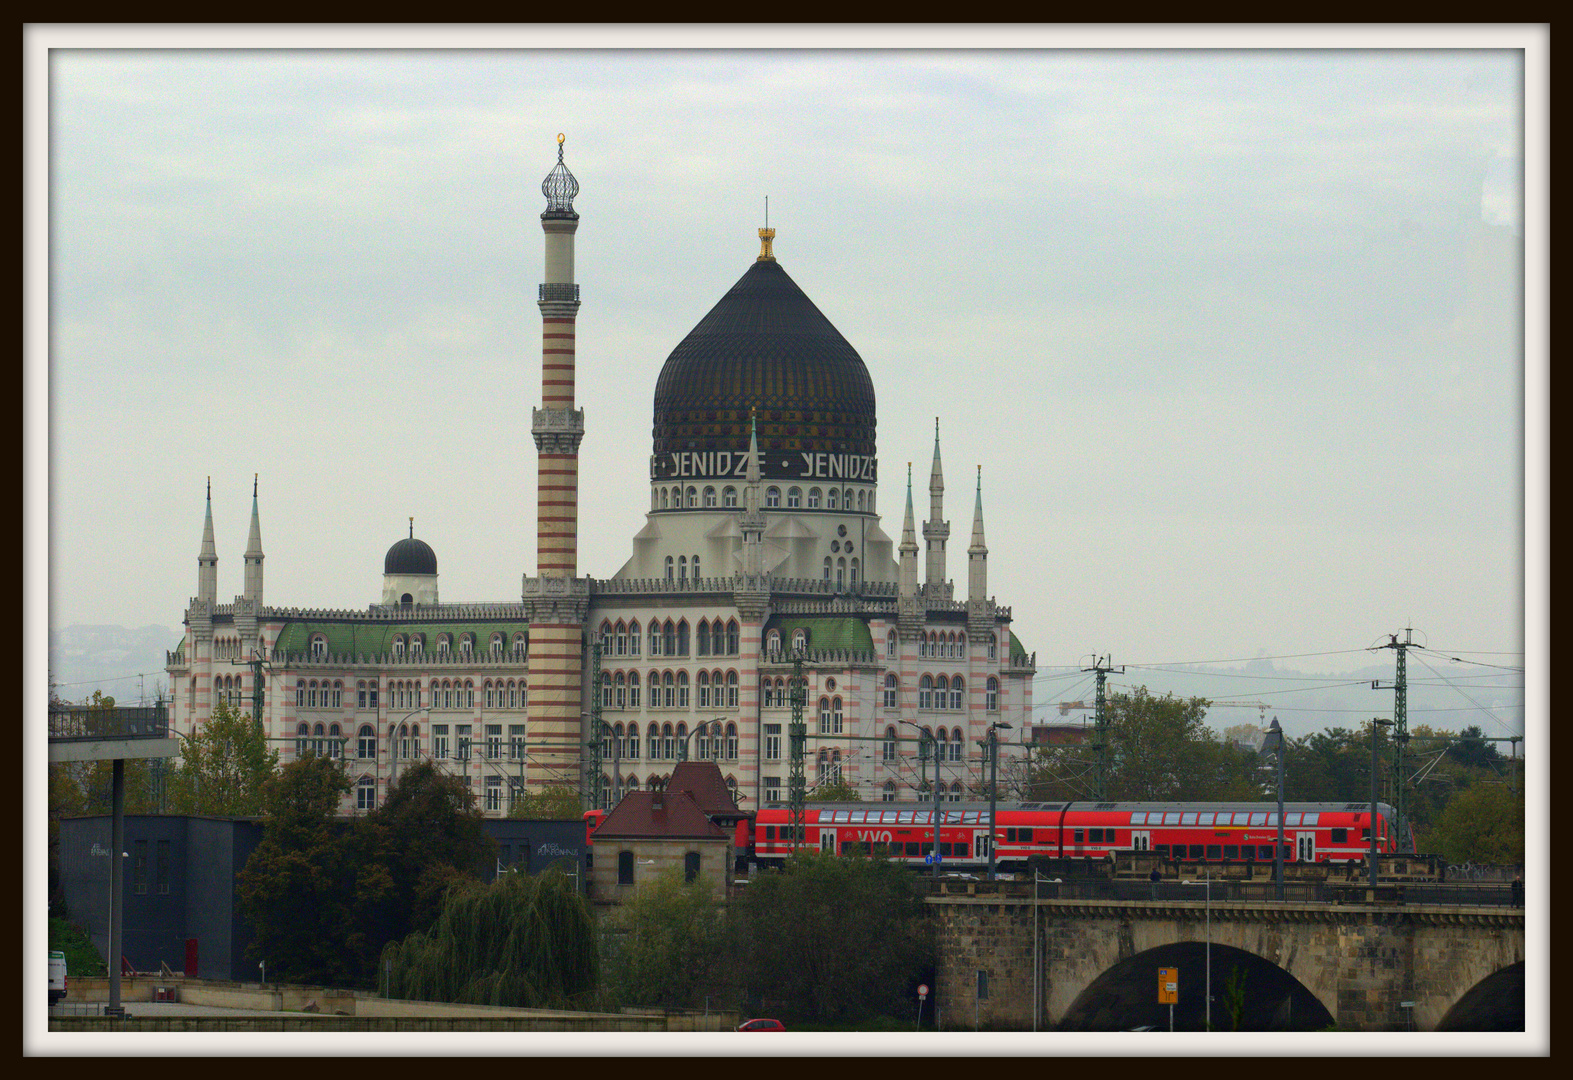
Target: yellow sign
1168,986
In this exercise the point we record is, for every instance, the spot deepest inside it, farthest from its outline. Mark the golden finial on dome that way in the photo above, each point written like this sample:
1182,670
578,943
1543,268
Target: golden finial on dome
765,254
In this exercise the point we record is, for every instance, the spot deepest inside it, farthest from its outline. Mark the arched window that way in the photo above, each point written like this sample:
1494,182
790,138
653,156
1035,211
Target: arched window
319,647
702,638
827,568
665,501
852,572
300,693
890,644
521,647
682,637
365,793
773,496
682,568
702,685
991,695
335,742
606,690
633,638
709,497
731,689
302,743
682,689
957,744
497,646
622,691
366,743
888,792
606,639
799,640
732,637
766,693
891,686
692,499
731,742
668,747
956,695
773,642
830,499
694,562
820,764
729,497
655,638
633,689
942,745
669,570
813,498
841,574
794,498
668,690
631,750
621,646
653,741
824,716
887,748
926,692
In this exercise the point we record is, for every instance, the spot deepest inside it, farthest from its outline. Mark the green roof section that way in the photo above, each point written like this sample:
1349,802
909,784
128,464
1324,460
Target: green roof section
1016,647
376,639
825,631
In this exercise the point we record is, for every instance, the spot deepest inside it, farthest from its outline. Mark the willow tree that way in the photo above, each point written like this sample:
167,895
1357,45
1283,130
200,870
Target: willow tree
526,941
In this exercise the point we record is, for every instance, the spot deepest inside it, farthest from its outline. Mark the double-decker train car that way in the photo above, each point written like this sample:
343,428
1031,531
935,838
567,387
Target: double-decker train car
1191,832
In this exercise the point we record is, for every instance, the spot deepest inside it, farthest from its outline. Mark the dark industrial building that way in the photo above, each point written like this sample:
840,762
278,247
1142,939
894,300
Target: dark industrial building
180,907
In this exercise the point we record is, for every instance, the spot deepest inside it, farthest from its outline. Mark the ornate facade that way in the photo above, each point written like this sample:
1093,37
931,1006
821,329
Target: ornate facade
762,551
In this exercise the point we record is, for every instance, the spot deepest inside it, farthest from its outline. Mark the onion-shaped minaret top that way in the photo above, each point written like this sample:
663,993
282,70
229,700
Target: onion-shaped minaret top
559,187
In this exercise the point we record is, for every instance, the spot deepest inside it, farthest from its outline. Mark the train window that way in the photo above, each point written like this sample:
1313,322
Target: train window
1171,817
841,816
975,817
922,817
770,832
1365,835
1291,820
1272,819
904,817
1010,836
1264,851
1025,835
912,850
1095,835
1078,838
1258,819
1139,818
1188,818
1196,851
1110,836
1204,819
1339,836
1231,851
1288,853
1309,819
1214,851
1162,850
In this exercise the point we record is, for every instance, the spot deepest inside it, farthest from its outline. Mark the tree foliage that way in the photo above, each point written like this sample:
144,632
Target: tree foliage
426,835
668,947
223,766
1160,748
520,940
553,803
295,890
1484,823
836,790
832,940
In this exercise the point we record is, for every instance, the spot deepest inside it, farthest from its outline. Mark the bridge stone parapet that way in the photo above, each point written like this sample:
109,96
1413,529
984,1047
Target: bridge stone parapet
1360,961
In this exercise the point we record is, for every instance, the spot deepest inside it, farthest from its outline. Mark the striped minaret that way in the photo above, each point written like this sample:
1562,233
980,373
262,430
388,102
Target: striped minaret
557,601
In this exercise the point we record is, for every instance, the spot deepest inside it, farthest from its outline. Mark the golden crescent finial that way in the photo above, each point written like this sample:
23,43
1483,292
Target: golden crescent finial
559,138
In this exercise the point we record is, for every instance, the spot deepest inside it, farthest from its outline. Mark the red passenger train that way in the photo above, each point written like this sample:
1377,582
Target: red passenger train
1191,832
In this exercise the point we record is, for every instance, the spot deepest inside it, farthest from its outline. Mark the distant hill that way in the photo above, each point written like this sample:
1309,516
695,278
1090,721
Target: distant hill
109,658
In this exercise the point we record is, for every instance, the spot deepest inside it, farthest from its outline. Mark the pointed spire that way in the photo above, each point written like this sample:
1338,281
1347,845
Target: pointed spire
977,519
936,474
753,474
207,558
909,533
254,552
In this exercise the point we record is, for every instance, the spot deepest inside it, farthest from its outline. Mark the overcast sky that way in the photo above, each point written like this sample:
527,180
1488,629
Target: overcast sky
1234,335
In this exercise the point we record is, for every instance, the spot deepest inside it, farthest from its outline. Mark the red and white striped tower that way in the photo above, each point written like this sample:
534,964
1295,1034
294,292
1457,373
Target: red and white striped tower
556,599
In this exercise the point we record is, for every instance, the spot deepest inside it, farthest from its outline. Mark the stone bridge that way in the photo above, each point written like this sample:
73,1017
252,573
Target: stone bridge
1098,960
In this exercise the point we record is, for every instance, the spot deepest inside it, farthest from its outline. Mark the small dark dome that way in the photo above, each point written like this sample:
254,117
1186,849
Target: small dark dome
410,556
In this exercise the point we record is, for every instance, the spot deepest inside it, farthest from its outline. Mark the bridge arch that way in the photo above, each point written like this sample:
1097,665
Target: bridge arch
1249,993
1495,1003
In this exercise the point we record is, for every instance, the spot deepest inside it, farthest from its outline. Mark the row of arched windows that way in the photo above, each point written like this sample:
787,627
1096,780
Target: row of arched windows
653,783
952,746
944,692
940,646
844,572
713,638
669,690
415,644
831,498
694,497
229,688
682,569
663,742
950,794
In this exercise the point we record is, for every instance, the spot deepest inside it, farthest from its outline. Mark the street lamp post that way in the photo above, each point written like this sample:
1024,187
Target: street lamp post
1375,723
1207,882
699,729
925,740
994,778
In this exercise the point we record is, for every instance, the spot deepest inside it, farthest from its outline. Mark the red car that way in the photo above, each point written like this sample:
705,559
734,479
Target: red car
761,1025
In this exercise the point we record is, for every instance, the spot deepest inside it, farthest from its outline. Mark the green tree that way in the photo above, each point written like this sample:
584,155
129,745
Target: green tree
296,887
426,835
1483,823
836,790
552,803
667,947
1160,748
520,940
832,940
223,766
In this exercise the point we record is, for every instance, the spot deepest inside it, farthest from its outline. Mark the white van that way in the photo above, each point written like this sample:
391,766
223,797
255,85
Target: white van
57,976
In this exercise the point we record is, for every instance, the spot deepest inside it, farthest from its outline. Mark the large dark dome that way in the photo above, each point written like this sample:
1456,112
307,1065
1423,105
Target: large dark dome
764,346
410,556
